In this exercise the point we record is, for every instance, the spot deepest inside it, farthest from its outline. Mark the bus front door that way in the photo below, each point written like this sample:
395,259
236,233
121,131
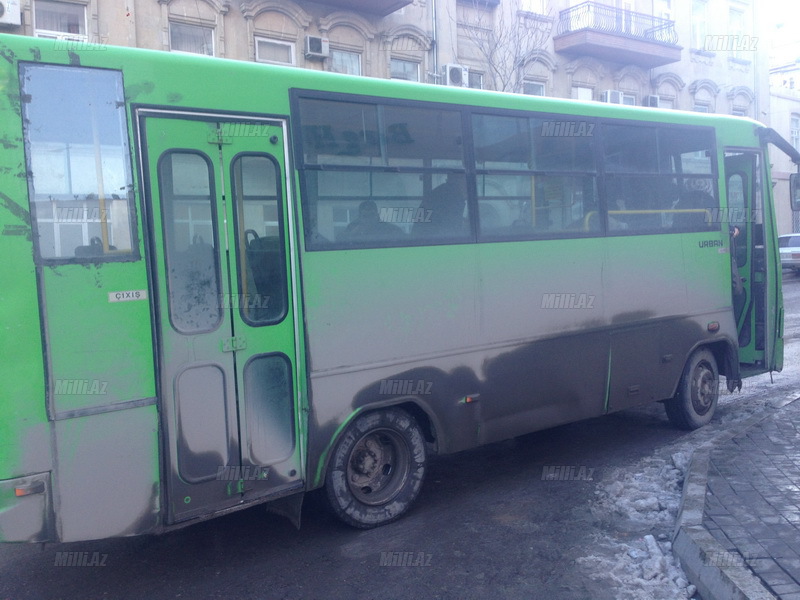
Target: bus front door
756,270
224,319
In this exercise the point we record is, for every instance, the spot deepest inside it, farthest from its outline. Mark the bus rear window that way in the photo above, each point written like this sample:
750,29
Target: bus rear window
77,153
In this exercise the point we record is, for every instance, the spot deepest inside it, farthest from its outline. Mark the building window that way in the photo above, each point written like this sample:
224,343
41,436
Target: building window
274,51
582,93
536,88
345,62
794,134
701,108
404,69
475,80
629,99
699,27
191,38
533,6
60,20
736,29
663,8
666,102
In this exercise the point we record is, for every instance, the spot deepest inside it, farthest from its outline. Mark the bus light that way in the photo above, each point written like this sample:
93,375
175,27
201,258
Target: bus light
713,326
37,487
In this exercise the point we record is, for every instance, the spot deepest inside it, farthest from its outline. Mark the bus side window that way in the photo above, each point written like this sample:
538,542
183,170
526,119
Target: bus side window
737,214
81,187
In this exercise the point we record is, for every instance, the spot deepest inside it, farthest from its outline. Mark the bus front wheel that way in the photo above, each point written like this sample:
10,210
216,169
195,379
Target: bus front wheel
698,391
377,468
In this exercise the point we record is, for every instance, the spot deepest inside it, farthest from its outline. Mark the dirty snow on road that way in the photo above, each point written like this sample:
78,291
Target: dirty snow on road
636,507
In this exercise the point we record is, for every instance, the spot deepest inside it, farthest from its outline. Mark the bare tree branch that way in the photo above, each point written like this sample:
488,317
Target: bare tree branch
506,38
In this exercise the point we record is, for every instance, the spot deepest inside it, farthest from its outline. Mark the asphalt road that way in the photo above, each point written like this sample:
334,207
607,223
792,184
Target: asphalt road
487,525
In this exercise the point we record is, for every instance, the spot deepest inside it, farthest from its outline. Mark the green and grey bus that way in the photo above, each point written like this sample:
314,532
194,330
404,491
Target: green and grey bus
228,283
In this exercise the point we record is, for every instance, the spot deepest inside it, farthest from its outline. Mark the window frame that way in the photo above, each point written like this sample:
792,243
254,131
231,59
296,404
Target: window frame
240,228
527,82
353,53
576,91
290,45
699,25
210,28
61,35
133,219
473,172
405,61
476,74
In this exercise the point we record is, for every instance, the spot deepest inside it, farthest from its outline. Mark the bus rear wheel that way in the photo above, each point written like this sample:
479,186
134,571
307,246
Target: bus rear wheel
377,469
698,391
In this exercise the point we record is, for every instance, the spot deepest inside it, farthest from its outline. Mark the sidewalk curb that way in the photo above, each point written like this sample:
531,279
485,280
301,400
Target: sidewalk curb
695,548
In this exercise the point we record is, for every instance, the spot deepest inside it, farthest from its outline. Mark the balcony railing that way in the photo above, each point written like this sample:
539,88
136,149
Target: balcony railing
599,17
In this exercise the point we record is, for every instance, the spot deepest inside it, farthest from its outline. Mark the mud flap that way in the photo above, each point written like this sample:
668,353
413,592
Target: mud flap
289,507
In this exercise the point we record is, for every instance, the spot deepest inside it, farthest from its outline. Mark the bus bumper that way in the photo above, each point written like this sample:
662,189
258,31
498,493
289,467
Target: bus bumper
26,509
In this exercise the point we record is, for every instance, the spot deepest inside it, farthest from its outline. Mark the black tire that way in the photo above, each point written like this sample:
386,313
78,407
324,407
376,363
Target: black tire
376,469
698,391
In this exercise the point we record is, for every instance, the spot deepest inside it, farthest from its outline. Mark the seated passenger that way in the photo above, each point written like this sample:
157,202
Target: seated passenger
368,225
694,218
446,205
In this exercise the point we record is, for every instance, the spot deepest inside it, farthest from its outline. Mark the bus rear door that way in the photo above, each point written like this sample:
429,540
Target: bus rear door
756,292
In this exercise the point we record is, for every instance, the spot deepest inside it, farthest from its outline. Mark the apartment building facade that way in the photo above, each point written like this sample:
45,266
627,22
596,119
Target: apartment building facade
702,55
685,54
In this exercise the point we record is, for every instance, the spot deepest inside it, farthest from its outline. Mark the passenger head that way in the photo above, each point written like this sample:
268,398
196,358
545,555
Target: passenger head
368,211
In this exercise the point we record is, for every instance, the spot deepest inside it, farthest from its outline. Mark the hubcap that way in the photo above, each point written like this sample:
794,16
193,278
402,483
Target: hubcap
378,467
704,388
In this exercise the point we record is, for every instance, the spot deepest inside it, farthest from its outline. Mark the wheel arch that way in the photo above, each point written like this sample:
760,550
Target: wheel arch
726,354
414,406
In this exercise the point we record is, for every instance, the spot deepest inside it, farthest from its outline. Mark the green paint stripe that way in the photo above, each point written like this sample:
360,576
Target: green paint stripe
324,456
608,382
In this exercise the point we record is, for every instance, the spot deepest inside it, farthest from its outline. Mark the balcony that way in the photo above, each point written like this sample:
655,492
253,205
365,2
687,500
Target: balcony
618,35
374,7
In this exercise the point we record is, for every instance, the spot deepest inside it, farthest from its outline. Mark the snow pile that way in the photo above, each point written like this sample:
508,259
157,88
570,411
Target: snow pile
643,499
635,506
643,569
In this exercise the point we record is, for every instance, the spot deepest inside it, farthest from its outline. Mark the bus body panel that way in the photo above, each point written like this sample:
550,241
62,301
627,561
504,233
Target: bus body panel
107,475
482,340
567,356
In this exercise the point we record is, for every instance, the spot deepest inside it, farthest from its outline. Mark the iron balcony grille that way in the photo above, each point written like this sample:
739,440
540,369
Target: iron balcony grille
599,17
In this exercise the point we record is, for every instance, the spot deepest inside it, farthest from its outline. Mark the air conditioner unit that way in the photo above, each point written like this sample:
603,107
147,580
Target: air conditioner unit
456,75
316,47
611,96
652,101
9,12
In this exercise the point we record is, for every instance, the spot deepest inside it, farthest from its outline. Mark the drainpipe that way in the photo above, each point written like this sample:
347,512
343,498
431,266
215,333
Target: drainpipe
434,43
